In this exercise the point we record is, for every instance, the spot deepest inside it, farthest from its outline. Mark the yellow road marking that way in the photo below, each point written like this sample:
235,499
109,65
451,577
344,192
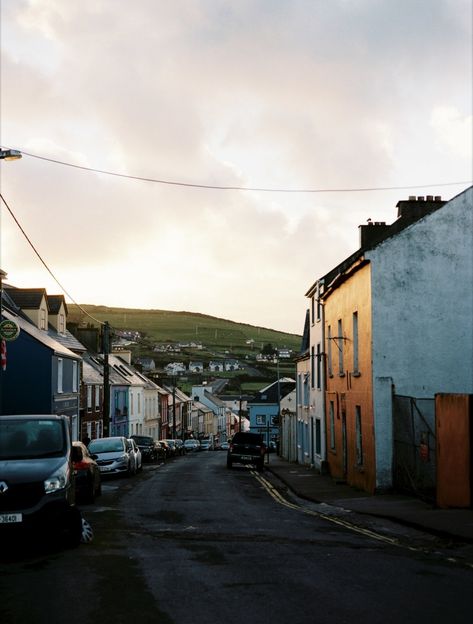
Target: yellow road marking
277,496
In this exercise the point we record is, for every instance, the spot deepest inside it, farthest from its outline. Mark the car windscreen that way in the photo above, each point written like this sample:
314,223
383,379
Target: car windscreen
247,438
105,445
31,438
143,440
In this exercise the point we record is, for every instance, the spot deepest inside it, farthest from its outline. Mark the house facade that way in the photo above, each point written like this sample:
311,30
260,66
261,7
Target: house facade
397,322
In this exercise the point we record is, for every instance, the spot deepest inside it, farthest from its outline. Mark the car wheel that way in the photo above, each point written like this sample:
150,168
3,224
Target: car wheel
229,463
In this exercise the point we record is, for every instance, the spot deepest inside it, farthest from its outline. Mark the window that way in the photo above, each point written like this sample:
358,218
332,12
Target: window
260,419
306,391
74,377
319,367
97,397
42,319
62,324
355,343
340,348
329,351
60,373
312,302
359,436
318,437
89,398
332,425
312,367
299,389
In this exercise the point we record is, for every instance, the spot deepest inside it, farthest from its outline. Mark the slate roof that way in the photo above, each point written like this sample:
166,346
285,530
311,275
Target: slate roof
54,303
27,298
272,393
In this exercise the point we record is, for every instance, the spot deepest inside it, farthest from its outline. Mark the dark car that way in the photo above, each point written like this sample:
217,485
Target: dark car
87,473
37,483
246,448
147,446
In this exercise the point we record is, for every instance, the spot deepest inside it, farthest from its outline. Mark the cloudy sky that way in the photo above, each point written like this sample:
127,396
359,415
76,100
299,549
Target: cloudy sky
276,94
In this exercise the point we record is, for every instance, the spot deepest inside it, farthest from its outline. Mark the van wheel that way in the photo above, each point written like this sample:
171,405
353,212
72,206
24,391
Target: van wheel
73,528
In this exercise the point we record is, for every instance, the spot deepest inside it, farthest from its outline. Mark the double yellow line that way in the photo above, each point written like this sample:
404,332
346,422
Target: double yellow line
392,541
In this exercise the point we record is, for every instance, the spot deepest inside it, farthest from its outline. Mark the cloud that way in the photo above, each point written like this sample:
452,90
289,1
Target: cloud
287,95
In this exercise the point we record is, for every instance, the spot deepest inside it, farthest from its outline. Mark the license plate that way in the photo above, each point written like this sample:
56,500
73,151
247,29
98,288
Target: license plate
11,518
105,468
247,457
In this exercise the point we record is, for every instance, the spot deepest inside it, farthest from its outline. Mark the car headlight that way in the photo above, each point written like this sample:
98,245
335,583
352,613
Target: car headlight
58,480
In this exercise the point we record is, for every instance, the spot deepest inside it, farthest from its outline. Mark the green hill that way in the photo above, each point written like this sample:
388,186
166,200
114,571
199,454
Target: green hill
169,326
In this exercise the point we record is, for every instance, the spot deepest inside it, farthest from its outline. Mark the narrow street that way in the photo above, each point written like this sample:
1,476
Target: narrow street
191,542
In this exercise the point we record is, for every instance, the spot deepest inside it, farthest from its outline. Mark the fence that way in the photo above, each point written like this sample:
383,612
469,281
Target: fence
414,467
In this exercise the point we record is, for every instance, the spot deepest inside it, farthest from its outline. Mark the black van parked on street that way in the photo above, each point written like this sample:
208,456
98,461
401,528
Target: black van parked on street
37,488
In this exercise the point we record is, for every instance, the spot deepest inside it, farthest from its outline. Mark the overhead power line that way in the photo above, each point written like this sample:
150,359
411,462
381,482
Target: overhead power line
244,188
45,265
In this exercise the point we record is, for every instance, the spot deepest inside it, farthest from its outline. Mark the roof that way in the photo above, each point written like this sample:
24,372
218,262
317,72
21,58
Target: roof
55,302
27,298
40,336
275,392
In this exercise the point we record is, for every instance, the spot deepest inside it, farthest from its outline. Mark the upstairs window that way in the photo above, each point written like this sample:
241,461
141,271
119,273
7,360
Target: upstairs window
319,367
74,376
340,341
355,344
329,351
60,374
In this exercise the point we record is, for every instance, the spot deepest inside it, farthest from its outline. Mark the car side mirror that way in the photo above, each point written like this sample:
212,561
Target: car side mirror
94,456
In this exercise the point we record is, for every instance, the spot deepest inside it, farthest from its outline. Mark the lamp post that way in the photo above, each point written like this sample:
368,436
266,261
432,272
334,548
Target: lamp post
5,154
10,154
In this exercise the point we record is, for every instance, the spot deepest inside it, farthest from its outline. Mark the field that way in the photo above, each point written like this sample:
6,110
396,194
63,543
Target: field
168,326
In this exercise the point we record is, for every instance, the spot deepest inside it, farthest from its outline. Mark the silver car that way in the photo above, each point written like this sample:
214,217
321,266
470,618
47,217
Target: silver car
134,450
113,455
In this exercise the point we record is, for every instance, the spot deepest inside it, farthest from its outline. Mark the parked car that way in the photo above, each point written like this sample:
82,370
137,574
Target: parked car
87,473
246,448
206,445
147,446
191,445
161,450
169,451
37,481
172,447
136,453
113,455
224,446
180,447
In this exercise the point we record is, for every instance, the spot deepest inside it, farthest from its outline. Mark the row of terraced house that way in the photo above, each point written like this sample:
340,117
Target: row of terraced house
386,365
50,367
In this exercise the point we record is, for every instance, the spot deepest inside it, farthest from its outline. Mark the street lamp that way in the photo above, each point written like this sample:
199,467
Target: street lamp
10,154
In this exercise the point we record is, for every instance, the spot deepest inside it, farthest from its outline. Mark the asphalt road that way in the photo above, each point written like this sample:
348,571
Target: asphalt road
191,542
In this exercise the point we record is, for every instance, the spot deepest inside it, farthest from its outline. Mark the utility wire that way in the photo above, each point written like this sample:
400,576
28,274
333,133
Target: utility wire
243,188
46,266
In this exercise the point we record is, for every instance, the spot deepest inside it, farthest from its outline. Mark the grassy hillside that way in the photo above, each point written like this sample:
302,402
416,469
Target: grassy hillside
168,326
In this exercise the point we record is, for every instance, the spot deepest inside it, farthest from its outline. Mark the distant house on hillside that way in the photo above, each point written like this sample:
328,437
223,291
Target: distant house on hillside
196,367
216,366
146,363
232,365
175,368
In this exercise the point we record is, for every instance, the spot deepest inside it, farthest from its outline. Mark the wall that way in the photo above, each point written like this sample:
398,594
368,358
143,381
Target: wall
350,388
317,394
423,303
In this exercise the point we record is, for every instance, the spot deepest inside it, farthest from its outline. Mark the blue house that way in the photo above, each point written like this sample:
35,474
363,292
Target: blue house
41,375
264,408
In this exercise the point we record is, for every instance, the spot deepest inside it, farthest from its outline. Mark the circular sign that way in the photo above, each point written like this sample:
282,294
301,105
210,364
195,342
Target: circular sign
9,330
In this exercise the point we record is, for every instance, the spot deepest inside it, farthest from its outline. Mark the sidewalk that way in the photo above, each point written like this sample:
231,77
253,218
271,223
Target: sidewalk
407,510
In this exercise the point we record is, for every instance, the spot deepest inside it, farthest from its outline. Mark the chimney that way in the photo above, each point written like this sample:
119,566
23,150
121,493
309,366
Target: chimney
372,233
415,208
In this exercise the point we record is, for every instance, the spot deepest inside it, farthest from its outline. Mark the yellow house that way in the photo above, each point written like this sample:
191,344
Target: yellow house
349,405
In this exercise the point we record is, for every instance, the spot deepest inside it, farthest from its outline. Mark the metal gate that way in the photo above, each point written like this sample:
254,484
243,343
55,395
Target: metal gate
414,445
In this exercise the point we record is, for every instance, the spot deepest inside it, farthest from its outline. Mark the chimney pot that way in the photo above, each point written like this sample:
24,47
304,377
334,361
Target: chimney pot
420,198
438,198
412,197
430,198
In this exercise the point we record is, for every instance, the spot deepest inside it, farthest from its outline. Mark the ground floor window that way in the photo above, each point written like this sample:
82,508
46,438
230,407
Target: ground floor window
332,425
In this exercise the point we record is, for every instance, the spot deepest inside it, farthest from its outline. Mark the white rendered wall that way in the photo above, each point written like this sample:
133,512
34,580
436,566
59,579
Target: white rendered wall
422,303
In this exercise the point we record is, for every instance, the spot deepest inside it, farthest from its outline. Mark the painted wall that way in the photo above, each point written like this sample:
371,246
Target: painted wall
350,448
317,380
423,303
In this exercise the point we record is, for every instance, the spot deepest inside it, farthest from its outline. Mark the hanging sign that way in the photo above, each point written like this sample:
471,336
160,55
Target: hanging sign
9,330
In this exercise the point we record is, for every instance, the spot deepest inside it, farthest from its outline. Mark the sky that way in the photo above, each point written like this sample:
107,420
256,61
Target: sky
278,94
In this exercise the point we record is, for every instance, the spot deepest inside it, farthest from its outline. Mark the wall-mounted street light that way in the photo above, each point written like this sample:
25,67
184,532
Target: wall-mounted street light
9,154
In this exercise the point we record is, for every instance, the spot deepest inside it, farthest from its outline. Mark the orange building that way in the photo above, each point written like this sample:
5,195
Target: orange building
349,405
